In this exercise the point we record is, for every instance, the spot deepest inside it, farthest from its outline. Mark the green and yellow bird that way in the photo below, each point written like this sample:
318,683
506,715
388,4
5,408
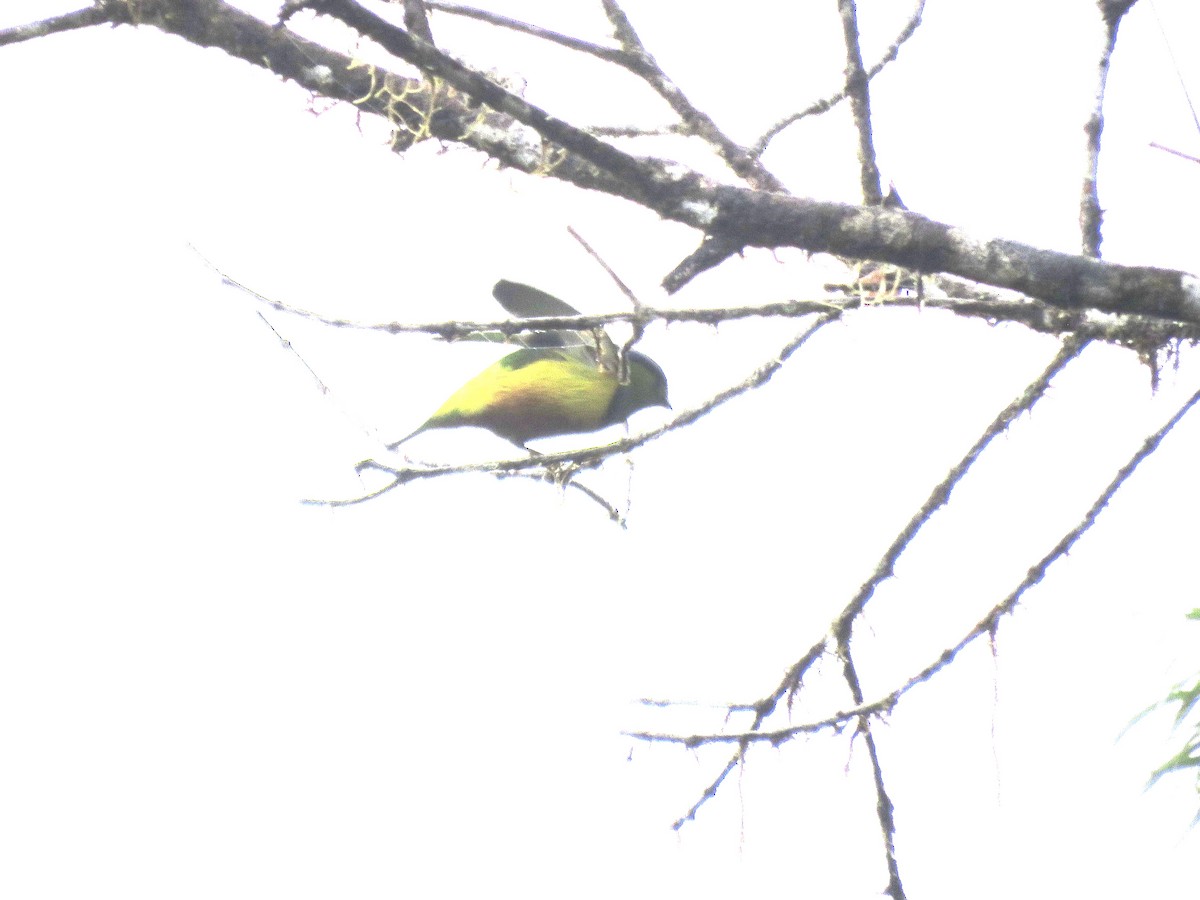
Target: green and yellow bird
561,382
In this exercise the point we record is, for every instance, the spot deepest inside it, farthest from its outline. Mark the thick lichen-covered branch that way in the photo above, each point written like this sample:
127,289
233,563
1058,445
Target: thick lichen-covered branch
476,111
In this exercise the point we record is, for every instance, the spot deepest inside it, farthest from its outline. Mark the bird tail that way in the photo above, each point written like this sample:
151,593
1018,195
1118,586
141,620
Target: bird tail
394,444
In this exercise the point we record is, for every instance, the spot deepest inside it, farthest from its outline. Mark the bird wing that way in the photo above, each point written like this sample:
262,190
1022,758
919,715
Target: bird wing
527,302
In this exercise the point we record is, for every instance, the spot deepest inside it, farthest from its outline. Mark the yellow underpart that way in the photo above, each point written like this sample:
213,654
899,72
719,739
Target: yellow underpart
557,395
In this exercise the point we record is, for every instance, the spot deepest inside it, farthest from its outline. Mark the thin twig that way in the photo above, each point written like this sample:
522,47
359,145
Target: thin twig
635,131
1187,95
825,104
975,302
884,809
455,329
569,483
287,345
634,58
637,304
988,625
639,308
1180,153
938,498
639,61
608,54
792,679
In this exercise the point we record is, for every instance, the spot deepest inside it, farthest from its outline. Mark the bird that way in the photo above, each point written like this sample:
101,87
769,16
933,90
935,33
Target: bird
559,382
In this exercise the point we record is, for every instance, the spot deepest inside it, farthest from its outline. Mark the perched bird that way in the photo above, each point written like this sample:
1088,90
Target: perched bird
560,382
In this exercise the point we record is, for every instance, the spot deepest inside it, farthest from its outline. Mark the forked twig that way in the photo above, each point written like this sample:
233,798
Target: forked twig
792,679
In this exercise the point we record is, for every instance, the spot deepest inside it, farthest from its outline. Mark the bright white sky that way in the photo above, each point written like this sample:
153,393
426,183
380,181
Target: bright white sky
209,689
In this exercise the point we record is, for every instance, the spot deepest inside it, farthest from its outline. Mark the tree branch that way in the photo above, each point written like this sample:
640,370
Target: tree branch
638,174
858,89
825,104
793,678
416,19
914,242
987,625
638,60
884,809
83,18
735,217
1091,215
608,54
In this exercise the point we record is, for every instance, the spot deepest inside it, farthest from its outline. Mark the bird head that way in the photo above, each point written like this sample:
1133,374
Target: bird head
647,387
